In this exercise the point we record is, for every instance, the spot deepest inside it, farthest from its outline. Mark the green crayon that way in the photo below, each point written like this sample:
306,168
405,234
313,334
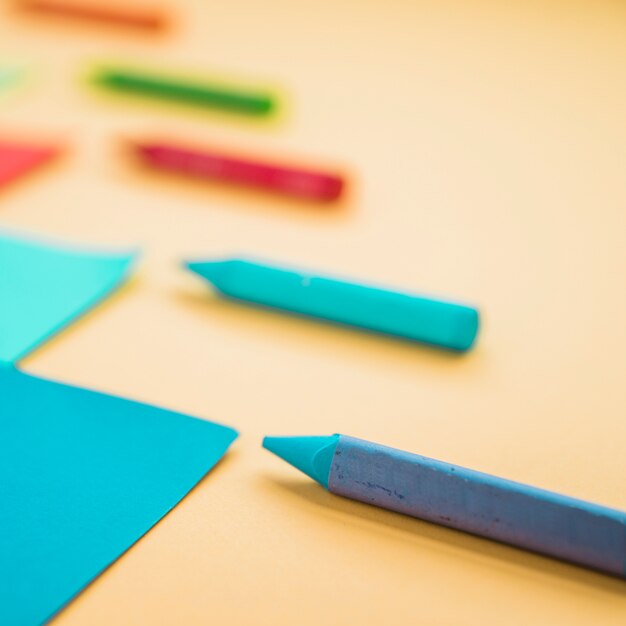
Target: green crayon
209,95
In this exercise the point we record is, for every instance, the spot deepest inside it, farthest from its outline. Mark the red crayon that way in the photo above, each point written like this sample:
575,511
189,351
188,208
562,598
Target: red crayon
208,164
18,159
148,19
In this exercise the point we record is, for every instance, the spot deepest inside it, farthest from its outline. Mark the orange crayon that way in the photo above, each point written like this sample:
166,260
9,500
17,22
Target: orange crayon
146,19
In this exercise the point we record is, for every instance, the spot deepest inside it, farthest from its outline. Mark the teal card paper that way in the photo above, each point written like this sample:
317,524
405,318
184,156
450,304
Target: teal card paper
83,476
43,287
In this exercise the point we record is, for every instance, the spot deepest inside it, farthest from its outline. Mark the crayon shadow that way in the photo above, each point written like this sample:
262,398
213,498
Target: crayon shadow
411,530
313,334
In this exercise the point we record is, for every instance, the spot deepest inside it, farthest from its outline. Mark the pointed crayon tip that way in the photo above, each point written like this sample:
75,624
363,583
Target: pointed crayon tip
194,266
142,148
209,270
311,455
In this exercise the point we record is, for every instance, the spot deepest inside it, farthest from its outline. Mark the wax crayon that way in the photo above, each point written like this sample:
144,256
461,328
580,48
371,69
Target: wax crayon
587,534
217,165
418,318
200,94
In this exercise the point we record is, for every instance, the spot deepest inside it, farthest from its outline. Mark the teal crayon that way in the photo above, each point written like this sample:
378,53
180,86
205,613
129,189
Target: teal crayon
549,523
428,320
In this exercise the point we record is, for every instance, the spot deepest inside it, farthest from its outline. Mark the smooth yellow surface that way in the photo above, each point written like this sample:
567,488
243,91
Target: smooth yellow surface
487,144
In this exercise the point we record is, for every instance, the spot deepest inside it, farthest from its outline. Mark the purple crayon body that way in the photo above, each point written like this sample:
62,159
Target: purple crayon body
573,530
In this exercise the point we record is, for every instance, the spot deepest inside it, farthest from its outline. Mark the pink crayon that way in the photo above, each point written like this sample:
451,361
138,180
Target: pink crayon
208,164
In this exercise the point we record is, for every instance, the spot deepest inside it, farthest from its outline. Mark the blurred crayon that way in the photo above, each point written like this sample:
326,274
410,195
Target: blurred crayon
145,19
208,95
210,164
17,159
440,323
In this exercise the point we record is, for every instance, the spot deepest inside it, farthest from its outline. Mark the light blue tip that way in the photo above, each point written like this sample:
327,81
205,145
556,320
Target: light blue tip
311,455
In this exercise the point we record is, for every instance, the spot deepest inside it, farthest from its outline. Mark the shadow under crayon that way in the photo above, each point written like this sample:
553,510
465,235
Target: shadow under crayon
411,530
316,334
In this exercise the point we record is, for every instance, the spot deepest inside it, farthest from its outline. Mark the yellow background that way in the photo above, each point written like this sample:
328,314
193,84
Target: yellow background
487,147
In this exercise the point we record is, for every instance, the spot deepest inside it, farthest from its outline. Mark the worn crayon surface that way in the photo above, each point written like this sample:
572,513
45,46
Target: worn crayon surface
486,149
521,515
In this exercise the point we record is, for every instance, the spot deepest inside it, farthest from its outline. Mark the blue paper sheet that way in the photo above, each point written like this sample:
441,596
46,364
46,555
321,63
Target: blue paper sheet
44,287
82,477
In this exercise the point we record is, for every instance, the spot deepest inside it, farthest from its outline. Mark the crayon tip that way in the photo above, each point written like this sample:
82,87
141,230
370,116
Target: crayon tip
142,148
311,455
209,270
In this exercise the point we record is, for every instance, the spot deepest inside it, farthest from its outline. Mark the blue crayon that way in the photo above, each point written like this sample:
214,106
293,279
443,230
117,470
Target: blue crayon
573,530
427,320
